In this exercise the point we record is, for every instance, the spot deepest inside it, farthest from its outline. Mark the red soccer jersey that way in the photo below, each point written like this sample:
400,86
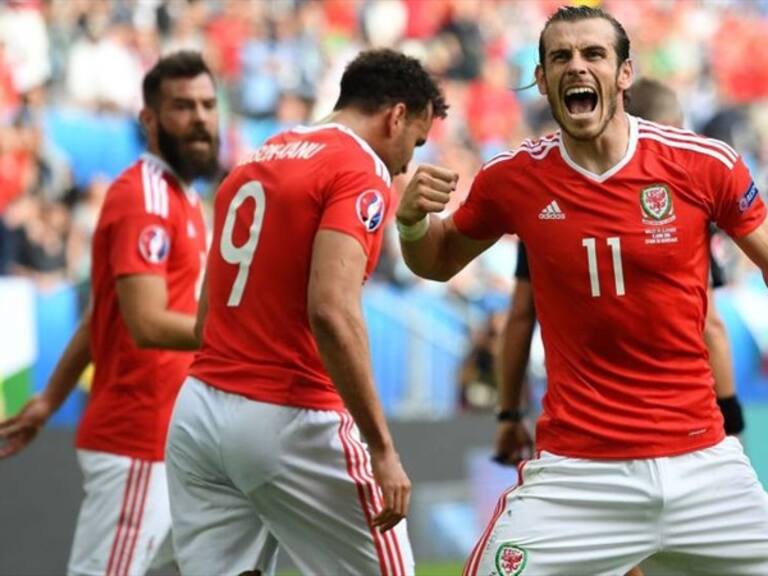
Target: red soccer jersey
149,224
257,340
619,264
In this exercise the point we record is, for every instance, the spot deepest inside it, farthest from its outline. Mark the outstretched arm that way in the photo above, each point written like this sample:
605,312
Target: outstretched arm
17,432
432,247
335,314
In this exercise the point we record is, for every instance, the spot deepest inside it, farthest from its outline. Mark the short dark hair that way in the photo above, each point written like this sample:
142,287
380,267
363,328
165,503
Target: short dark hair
383,77
181,64
653,100
577,13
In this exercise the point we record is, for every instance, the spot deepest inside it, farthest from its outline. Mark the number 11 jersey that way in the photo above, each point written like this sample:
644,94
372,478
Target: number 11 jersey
257,341
619,265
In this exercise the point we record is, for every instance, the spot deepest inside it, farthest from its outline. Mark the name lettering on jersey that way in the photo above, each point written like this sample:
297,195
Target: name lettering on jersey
300,150
748,198
552,212
154,244
370,209
657,211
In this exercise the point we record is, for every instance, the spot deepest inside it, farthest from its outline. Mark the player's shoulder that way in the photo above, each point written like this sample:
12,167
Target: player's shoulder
531,153
143,187
333,146
685,147
346,150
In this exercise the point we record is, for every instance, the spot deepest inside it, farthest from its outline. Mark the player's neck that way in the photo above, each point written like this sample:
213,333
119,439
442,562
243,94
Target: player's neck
604,152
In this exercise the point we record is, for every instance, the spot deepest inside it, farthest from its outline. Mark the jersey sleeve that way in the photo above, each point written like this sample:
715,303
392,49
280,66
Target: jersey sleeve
356,204
737,206
478,217
140,241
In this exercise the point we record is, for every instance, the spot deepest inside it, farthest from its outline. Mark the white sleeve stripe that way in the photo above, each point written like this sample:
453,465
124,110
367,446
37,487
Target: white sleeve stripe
164,197
685,145
147,187
538,153
686,136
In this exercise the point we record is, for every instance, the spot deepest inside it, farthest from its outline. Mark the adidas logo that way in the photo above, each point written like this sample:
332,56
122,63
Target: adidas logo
552,212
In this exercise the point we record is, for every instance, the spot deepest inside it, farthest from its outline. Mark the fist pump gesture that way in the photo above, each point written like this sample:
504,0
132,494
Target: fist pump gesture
428,191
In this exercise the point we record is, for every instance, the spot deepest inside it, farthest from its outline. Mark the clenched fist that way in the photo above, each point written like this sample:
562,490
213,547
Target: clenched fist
428,191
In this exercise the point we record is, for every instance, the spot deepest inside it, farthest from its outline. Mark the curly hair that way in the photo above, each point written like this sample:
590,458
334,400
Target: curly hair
382,77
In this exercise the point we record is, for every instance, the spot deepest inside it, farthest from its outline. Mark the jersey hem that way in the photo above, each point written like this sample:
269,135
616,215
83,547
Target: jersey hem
627,454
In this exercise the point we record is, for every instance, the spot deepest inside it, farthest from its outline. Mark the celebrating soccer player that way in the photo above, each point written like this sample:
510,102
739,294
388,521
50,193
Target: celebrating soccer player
279,423
632,462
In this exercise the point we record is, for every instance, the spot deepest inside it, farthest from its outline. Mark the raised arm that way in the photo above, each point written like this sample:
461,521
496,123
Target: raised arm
433,247
336,317
17,432
755,246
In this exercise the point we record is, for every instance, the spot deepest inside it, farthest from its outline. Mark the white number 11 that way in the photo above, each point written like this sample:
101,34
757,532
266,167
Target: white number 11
618,272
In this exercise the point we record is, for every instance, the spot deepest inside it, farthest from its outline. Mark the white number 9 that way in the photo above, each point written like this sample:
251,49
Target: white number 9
242,255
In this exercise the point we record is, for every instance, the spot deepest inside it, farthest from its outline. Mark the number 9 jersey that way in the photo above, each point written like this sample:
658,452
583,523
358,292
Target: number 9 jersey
257,341
619,262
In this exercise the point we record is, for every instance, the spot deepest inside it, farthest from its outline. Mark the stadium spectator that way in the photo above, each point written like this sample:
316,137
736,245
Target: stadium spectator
148,249
614,213
265,429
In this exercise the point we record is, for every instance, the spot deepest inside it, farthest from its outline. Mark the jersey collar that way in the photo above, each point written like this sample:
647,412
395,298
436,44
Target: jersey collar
189,190
631,147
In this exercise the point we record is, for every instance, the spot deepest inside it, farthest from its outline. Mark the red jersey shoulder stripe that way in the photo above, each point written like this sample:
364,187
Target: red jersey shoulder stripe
688,141
155,189
536,149
680,133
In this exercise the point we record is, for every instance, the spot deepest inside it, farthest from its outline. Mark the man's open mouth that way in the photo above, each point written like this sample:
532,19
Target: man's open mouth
580,100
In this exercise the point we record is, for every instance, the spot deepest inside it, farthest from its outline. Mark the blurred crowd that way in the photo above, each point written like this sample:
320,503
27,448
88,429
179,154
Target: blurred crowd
74,67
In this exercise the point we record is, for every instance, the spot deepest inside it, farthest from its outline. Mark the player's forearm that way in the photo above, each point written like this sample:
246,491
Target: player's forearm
167,329
74,360
343,344
427,256
513,364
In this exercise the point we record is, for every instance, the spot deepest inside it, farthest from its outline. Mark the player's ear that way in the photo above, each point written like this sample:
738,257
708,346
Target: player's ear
147,119
396,118
625,75
540,80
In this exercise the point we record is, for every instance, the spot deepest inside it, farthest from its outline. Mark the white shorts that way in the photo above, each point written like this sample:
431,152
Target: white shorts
245,475
699,513
124,522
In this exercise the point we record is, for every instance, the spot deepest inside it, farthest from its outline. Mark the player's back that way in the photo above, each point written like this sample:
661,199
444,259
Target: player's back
257,341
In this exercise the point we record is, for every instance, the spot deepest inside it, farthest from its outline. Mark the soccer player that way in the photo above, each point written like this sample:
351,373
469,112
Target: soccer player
265,430
632,464
148,250
654,101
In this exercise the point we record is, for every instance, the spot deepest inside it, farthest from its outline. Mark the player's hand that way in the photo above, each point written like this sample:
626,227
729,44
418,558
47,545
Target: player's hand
395,486
428,191
17,432
513,443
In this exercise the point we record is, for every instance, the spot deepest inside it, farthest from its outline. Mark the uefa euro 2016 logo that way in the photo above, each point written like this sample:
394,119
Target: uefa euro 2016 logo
370,209
154,244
